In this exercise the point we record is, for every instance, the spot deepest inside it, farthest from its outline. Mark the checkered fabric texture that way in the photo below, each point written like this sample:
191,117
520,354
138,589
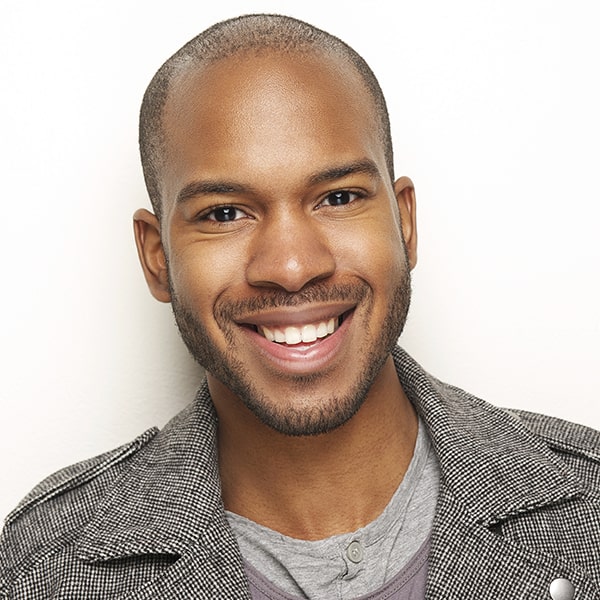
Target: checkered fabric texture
519,507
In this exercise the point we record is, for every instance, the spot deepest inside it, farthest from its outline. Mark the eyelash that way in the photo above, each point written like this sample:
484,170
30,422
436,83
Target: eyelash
356,196
207,213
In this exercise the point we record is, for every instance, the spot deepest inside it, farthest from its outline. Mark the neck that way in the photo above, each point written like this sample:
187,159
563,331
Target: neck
316,486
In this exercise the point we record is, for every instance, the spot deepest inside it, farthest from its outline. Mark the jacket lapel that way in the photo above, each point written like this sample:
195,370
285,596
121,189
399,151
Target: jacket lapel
169,503
493,470
201,572
470,560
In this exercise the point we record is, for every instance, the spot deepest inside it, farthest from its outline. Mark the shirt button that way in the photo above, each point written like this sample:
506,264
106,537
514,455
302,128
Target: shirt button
355,552
562,589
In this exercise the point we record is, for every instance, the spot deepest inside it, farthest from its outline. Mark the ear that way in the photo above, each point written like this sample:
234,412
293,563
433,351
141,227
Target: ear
404,191
146,227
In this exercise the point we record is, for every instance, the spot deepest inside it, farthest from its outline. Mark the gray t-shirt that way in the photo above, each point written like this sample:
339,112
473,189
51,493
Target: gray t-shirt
386,559
409,584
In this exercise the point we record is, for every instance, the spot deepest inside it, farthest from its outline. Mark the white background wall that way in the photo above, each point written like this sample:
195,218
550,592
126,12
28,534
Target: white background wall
495,115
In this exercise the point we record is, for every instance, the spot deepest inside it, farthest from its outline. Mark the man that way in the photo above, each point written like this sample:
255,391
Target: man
318,460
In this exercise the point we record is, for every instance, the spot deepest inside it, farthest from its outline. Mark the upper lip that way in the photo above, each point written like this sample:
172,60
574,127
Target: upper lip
300,315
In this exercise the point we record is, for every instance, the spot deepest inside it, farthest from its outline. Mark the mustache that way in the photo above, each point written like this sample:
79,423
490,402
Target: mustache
270,299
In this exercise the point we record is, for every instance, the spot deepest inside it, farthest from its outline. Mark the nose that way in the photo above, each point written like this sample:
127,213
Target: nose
289,252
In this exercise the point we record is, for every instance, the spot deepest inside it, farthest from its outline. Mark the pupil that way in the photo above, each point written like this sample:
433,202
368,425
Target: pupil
338,198
225,213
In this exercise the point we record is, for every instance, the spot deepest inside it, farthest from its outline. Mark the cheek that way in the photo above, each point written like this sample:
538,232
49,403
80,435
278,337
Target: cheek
375,254
201,273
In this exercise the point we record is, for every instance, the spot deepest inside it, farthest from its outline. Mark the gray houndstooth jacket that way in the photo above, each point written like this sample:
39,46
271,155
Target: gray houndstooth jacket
519,507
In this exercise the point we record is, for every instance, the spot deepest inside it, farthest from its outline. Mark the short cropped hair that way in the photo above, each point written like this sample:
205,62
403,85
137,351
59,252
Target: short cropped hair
246,33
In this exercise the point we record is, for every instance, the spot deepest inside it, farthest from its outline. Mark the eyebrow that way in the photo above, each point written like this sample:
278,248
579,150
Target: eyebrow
364,166
211,188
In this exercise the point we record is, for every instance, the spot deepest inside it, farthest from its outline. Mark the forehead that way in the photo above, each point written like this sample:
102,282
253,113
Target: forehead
238,77
267,110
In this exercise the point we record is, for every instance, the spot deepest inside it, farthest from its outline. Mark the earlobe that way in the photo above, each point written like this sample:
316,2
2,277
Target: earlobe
404,191
146,227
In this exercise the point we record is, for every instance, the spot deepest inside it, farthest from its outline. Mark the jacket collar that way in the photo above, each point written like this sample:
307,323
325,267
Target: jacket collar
169,498
490,462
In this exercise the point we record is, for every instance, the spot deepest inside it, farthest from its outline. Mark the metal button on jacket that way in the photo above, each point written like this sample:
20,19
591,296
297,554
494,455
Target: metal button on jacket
355,551
562,589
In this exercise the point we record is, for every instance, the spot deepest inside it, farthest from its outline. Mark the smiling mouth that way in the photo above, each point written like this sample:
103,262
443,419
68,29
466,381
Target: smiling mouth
292,335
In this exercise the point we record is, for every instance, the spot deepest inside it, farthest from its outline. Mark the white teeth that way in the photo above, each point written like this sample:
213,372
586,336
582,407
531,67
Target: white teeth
268,334
309,333
331,326
322,330
292,335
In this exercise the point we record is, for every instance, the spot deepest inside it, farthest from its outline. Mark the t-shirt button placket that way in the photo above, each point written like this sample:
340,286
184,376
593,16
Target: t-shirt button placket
355,552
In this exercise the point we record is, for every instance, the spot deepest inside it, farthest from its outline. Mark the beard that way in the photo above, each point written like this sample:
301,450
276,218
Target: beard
314,415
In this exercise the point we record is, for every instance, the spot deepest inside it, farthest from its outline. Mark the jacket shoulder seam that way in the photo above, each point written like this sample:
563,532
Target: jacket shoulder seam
66,479
548,432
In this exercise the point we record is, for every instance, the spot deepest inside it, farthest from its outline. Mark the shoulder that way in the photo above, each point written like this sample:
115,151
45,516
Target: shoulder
563,436
57,508
78,475
577,445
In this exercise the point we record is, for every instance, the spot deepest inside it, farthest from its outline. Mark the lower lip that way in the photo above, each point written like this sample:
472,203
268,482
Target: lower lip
303,358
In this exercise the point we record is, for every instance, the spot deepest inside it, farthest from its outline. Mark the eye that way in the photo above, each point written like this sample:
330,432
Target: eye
223,214
339,198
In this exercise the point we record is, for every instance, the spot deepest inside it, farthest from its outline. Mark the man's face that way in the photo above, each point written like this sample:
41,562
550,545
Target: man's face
287,270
